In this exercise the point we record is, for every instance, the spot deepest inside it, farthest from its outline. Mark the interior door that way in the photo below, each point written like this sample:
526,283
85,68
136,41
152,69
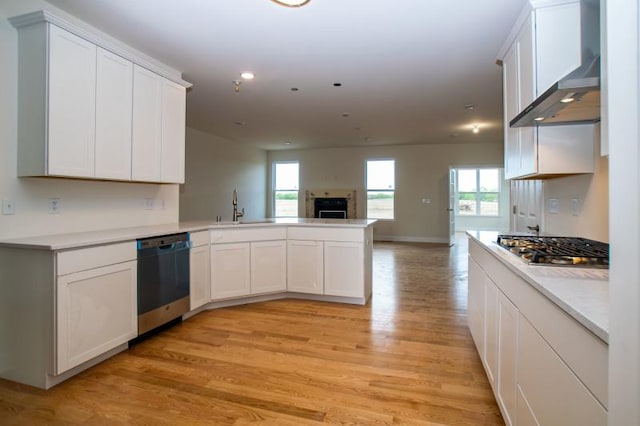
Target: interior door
452,206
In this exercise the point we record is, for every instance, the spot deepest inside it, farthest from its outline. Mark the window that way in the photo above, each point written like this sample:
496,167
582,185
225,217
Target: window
285,194
380,189
478,192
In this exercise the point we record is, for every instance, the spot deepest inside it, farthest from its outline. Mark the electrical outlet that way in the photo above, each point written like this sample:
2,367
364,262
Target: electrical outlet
149,203
575,206
54,205
8,207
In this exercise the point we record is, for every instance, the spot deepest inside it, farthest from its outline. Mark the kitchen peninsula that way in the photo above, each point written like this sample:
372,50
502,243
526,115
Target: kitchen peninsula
69,301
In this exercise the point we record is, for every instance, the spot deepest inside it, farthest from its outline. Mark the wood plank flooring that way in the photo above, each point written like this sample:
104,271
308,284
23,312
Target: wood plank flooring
405,358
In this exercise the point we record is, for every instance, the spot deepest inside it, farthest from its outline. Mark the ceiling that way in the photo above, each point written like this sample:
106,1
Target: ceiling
407,68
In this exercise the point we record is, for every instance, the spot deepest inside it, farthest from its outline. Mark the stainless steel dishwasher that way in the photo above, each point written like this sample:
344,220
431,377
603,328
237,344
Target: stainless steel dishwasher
163,280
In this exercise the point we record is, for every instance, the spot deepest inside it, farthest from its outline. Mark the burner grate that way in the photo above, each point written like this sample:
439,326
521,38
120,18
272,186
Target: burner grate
567,251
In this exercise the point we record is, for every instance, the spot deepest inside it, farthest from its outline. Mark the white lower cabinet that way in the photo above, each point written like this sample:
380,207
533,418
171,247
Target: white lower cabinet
552,391
305,266
544,367
343,268
230,270
199,270
268,267
507,357
97,311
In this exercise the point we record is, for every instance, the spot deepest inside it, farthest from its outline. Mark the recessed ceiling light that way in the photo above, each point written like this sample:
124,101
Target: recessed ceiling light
469,107
476,129
287,143
345,114
247,75
239,123
337,84
294,89
291,3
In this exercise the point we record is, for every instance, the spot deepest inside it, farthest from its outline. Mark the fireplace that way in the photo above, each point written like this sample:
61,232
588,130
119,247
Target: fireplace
331,204
330,208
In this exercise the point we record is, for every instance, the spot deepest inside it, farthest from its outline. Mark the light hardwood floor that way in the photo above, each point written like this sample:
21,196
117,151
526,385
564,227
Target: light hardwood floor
405,358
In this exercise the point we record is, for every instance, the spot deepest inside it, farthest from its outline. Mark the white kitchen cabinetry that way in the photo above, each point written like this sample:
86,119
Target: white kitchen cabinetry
248,261
79,108
476,304
553,393
230,270
330,261
268,266
114,85
542,53
96,311
343,268
305,266
158,128
199,270
544,367
65,310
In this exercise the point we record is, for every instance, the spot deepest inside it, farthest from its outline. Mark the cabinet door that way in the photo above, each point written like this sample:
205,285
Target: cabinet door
230,270
507,357
114,85
344,269
553,392
476,305
96,311
491,331
527,94
199,278
305,271
72,105
268,266
511,102
173,132
147,125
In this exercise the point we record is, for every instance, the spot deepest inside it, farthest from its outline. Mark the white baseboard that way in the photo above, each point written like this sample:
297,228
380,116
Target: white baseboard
401,239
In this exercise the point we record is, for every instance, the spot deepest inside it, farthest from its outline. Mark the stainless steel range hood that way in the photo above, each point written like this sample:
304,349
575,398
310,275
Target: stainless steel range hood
575,99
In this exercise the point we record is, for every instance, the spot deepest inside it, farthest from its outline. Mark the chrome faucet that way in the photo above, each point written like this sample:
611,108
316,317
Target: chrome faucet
236,213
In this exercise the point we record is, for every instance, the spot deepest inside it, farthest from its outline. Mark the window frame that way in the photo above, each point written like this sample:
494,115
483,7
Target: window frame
274,191
367,189
478,193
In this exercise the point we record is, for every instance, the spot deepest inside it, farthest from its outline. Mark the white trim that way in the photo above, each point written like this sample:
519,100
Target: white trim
97,37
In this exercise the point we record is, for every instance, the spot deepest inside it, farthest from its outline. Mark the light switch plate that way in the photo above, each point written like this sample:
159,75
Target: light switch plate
575,206
149,203
54,205
554,206
8,207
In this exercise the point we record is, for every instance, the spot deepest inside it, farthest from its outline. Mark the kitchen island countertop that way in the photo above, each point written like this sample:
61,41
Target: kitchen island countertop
583,293
74,240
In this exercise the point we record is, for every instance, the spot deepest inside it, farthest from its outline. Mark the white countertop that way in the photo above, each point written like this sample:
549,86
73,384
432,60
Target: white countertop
583,293
108,236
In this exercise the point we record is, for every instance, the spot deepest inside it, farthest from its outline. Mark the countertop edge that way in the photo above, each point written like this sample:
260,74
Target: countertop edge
68,241
575,313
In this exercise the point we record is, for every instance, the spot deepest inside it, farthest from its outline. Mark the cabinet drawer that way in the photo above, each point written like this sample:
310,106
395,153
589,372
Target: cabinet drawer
221,236
199,238
94,257
326,234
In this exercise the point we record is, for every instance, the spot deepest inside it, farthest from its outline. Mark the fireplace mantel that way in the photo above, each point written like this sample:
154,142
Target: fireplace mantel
349,194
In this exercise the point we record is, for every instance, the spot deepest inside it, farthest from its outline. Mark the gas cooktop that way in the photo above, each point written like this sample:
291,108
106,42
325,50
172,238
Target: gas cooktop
557,251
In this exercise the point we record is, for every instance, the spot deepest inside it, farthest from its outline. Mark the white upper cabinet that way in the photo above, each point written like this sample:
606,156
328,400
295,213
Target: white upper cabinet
114,85
545,48
72,105
89,108
147,125
173,131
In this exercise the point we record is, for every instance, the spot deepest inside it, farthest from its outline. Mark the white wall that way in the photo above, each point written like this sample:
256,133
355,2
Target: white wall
215,166
85,205
592,192
422,171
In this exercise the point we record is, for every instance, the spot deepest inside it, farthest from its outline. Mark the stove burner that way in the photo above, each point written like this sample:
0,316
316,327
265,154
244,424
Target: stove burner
560,251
